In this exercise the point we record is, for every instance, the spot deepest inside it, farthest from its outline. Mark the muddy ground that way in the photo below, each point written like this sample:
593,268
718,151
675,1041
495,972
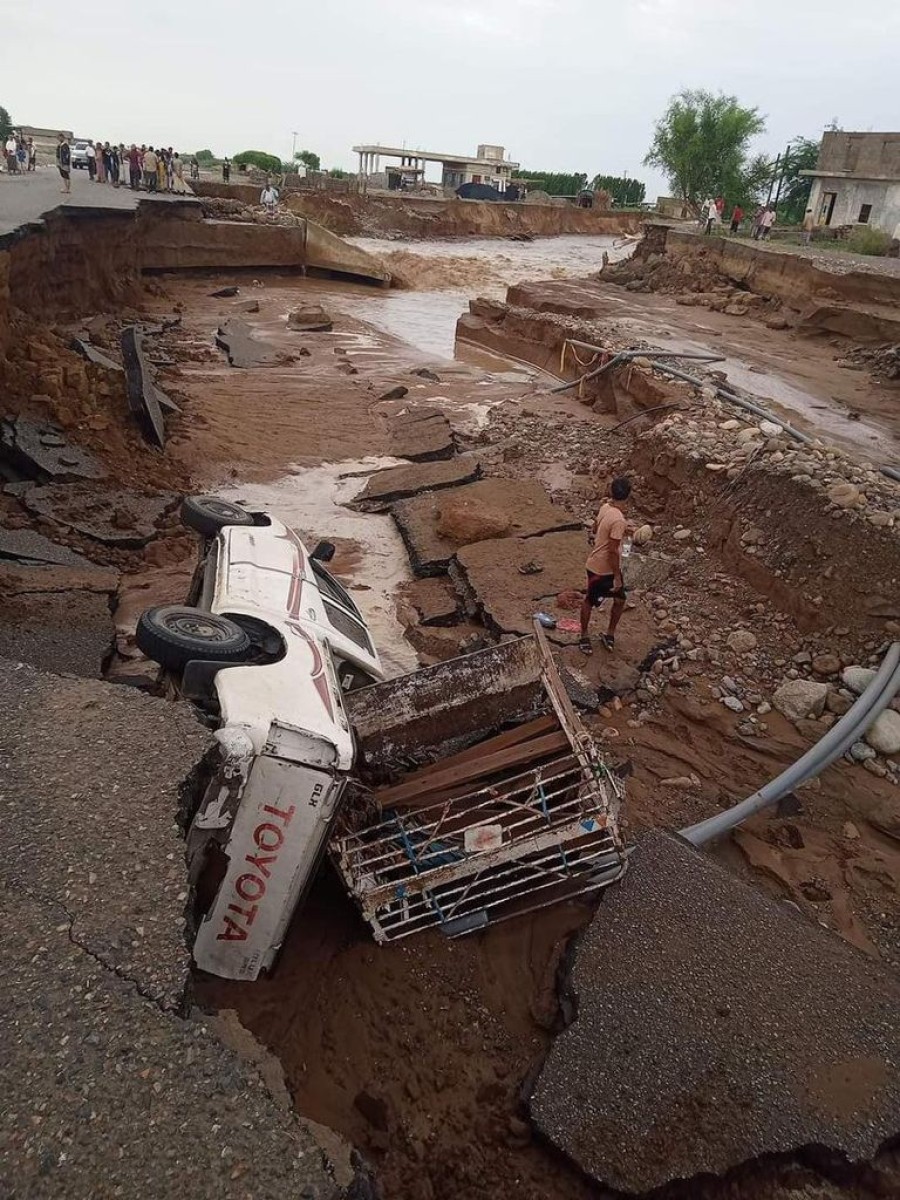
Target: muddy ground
418,1052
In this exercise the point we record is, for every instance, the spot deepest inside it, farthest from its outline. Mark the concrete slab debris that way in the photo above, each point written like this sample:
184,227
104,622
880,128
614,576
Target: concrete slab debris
715,1026
431,601
126,520
421,435
396,483
224,293
236,338
142,393
29,548
435,525
310,318
39,451
89,352
505,596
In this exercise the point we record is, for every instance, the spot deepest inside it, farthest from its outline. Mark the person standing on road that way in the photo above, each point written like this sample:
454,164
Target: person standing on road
178,184
11,160
195,168
809,225
32,155
711,213
64,163
226,171
22,155
737,215
91,158
161,169
98,162
134,168
150,165
604,564
766,222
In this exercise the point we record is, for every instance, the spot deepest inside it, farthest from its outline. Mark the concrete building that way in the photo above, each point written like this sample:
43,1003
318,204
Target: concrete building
857,180
487,165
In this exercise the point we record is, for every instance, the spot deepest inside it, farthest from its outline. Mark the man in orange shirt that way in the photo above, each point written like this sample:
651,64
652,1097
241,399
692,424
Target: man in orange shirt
604,565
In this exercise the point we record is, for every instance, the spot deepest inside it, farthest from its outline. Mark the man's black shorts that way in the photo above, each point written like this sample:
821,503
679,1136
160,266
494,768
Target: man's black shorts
601,586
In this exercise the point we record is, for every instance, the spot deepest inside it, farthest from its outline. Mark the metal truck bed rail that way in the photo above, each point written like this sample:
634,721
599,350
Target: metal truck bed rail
514,841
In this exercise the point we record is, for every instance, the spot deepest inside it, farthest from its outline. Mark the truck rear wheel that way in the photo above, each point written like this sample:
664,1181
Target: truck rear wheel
173,636
209,514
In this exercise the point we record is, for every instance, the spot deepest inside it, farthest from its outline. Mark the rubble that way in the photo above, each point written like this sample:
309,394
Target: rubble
41,452
236,338
799,698
421,435
113,516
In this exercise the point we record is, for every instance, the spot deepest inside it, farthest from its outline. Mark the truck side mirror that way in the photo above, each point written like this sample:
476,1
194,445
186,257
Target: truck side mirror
324,552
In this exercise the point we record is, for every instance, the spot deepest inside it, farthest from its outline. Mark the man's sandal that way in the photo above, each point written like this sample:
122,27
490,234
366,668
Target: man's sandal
585,646
608,641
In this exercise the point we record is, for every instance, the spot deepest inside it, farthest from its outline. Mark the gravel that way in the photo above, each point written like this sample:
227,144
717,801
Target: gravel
714,1026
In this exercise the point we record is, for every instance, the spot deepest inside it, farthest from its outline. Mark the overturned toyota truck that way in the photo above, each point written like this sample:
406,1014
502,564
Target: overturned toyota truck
477,795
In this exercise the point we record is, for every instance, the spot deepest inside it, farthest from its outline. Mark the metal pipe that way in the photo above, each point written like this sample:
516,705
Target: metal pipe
836,741
624,356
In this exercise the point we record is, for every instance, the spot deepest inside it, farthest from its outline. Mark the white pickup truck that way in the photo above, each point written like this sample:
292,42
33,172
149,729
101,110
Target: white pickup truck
267,648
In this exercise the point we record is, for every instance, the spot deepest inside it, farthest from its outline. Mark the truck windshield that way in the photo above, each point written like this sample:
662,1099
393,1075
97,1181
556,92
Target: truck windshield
330,587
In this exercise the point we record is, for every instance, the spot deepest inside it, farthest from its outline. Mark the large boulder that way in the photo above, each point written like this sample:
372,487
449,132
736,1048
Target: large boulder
311,318
464,522
884,734
857,679
799,698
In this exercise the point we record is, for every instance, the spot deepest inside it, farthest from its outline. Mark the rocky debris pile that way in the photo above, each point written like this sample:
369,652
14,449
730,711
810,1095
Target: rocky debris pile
694,280
726,444
237,210
882,361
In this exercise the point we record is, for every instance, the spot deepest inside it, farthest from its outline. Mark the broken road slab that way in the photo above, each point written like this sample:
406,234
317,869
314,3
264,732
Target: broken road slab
126,520
236,338
398,483
90,352
39,451
107,1094
57,618
435,525
715,1026
143,398
28,547
421,435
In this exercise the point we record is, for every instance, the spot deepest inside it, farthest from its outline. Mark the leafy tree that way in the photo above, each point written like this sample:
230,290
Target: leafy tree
552,182
338,173
309,158
701,143
624,191
258,158
205,156
6,125
802,156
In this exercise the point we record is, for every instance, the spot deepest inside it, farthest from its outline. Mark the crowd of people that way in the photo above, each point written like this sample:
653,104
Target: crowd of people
148,168
21,154
712,214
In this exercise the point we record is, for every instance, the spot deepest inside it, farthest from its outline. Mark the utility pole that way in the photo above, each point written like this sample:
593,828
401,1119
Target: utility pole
784,170
294,146
775,169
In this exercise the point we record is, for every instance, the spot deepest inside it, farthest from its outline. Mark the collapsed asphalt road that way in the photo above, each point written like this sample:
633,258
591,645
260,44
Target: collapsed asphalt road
106,1086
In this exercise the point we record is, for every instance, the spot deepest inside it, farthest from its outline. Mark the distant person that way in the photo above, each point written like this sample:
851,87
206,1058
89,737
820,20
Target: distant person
604,564
737,215
720,207
98,155
91,156
21,155
195,168
150,166
766,221
32,155
64,162
754,224
809,225
162,169
226,171
12,163
269,198
177,165
134,168
712,214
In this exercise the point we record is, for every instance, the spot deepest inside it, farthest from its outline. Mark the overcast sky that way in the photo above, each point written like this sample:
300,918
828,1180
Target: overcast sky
563,84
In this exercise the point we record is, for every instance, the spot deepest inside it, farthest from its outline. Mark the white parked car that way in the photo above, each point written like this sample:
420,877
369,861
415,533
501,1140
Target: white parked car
268,647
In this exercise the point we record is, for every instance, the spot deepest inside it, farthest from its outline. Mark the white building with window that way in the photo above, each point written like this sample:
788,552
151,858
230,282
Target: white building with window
488,165
857,180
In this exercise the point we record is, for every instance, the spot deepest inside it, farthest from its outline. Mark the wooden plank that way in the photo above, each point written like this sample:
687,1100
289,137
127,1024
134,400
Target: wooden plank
510,737
468,772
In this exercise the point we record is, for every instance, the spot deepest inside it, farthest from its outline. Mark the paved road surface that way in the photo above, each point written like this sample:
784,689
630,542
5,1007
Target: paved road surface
25,198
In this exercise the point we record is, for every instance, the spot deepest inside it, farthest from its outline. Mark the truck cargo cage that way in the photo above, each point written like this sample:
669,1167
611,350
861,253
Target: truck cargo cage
511,822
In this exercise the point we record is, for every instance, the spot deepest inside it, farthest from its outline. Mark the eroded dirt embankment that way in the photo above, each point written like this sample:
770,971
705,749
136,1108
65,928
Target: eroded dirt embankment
416,217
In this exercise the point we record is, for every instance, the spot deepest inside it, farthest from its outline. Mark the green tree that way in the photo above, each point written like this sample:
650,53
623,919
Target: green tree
6,125
802,156
205,156
338,173
701,143
554,183
258,158
309,158
627,193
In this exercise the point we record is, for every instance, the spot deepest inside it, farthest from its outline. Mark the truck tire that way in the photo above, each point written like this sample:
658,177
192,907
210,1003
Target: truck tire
174,635
209,514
